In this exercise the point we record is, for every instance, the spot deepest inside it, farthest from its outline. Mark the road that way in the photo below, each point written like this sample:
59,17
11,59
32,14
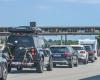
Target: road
90,71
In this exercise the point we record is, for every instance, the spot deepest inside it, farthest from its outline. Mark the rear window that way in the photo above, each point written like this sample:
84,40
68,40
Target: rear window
59,49
88,48
78,48
25,41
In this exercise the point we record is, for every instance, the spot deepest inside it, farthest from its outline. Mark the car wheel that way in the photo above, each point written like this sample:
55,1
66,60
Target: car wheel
9,68
76,64
4,73
50,66
85,62
93,60
40,66
71,64
54,65
19,68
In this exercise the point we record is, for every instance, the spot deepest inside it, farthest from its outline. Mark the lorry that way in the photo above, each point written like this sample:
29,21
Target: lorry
92,43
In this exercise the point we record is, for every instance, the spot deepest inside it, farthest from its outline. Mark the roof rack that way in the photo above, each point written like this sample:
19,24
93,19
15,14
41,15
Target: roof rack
25,29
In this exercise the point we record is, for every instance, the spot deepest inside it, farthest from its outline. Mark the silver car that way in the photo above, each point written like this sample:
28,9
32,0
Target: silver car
3,67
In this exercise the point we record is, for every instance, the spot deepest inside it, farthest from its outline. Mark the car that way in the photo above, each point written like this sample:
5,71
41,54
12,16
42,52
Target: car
3,67
91,53
25,50
82,53
64,55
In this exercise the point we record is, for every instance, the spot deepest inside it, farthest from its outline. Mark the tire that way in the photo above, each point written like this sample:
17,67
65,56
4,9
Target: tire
50,66
4,73
76,64
19,68
71,65
9,68
85,62
54,65
93,60
40,67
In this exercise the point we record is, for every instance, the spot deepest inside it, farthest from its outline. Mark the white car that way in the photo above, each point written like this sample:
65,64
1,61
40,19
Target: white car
82,53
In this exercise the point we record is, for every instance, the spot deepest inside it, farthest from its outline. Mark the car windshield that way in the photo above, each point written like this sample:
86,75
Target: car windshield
59,49
25,41
87,48
78,48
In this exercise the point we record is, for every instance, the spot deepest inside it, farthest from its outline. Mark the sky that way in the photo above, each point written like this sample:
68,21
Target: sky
50,12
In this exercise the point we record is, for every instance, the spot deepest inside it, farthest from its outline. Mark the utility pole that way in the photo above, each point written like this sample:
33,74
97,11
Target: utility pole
61,39
65,39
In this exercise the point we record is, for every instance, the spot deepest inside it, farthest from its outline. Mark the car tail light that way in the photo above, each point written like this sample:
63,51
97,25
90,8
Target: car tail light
91,52
33,51
82,52
67,54
94,51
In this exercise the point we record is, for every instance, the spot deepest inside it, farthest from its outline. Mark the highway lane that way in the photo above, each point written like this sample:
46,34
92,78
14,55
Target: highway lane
90,71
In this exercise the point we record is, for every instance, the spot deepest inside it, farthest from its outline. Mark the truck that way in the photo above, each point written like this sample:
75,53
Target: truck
92,43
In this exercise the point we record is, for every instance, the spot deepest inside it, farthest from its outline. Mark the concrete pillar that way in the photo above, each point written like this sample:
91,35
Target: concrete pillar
61,39
65,39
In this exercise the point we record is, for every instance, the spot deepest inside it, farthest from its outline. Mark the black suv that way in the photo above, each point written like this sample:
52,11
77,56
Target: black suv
25,50
64,54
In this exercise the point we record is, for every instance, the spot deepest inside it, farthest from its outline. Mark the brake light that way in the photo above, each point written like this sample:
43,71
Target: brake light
94,51
33,51
82,52
91,52
67,54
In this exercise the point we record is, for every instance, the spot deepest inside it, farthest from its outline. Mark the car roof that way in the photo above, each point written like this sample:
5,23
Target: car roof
59,46
88,45
77,45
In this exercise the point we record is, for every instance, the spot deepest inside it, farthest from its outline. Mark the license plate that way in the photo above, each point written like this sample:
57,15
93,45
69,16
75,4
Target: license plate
57,55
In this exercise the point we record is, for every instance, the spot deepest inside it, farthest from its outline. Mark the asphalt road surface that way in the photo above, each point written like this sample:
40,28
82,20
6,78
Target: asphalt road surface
90,71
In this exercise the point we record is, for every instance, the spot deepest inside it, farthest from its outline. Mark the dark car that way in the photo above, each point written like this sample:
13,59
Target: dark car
25,50
3,67
91,53
64,54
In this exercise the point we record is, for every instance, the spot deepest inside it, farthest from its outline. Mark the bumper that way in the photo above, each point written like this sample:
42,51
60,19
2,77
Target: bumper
61,61
24,65
81,59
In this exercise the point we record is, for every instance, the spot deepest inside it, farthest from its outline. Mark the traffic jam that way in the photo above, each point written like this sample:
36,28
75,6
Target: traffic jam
25,49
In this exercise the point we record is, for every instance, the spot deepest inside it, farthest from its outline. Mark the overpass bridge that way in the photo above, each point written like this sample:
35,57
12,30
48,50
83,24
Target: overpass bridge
60,30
